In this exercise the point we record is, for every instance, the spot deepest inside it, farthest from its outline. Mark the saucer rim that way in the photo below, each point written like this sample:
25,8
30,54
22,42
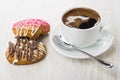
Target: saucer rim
77,57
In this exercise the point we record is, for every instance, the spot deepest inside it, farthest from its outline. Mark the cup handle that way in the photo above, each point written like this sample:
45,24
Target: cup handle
105,27
101,28
100,35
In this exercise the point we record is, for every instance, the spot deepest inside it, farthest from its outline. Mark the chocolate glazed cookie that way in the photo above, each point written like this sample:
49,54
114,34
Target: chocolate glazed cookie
25,51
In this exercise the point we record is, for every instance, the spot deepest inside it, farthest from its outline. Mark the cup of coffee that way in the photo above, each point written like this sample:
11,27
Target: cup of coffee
81,27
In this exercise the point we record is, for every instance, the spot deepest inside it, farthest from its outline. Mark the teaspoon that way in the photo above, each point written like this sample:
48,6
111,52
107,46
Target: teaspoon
57,39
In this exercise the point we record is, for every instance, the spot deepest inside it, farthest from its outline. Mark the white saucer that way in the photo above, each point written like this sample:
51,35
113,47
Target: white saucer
96,49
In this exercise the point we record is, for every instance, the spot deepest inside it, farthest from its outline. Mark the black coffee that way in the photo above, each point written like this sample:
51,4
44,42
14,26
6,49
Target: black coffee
81,18
88,24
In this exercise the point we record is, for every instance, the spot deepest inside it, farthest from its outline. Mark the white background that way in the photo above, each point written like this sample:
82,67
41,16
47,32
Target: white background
56,66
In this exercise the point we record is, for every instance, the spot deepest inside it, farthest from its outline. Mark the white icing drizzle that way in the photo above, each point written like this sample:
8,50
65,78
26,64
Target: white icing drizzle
26,31
33,29
21,30
41,48
15,61
17,30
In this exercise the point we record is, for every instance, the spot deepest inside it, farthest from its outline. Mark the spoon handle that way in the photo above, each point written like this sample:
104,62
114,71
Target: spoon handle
109,65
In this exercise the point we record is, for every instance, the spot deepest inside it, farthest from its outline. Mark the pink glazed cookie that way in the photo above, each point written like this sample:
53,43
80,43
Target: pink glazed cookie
31,28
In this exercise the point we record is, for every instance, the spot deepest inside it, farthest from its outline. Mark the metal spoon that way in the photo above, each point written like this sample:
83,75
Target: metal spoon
57,39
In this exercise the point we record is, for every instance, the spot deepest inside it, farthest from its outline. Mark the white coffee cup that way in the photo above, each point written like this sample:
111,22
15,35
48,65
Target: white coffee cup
81,37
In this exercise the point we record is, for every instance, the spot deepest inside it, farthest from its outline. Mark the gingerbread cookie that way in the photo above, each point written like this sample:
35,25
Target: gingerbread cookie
25,51
31,28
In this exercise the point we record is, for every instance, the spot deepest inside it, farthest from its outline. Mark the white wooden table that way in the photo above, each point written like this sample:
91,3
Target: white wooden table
56,66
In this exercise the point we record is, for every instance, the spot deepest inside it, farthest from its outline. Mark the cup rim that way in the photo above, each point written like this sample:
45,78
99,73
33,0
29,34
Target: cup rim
99,22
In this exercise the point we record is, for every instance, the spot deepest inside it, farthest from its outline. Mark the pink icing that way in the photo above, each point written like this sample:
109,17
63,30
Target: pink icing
32,22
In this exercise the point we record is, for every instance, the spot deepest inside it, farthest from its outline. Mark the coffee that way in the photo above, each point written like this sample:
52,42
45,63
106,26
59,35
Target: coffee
81,18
